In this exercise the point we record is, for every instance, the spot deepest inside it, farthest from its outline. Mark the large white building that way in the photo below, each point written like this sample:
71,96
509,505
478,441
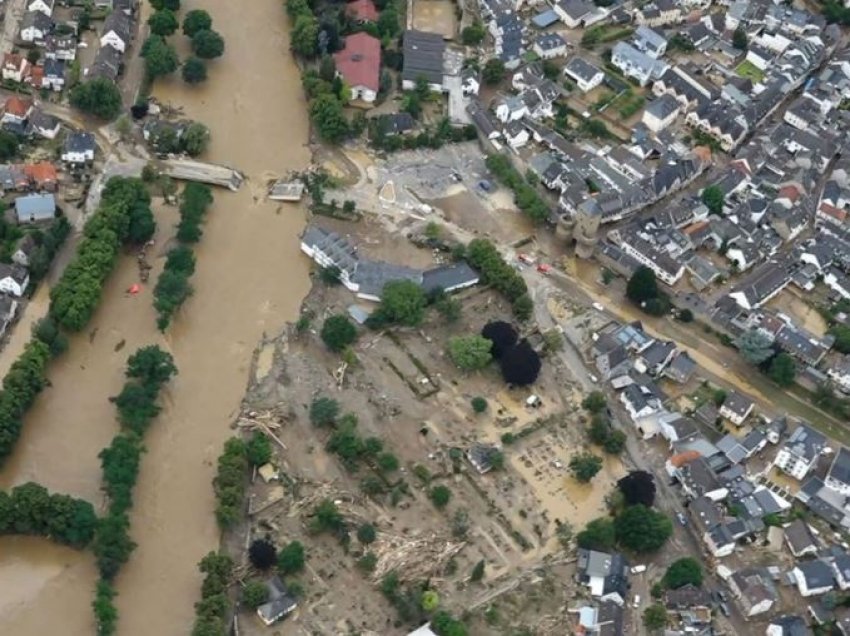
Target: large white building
801,452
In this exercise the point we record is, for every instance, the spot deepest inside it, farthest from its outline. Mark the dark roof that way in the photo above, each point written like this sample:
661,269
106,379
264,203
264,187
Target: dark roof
799,536
816,573
120,23
107,63
738,403
423,56
38,20
581,68
687,597
80,142
662,107
791,625
448,277
840,469
396,123
805,442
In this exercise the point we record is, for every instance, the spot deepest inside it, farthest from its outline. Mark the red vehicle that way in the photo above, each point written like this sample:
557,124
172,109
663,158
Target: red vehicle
543,268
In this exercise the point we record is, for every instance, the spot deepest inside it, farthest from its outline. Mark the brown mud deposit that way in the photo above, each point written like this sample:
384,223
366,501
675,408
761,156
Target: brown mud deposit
250,279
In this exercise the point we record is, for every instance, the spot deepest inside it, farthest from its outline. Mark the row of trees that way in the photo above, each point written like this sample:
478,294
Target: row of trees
193,140
31,510
211,610
600,431
123,217
148,370
526,197
173,288
229,482
484,257
440,135
47,243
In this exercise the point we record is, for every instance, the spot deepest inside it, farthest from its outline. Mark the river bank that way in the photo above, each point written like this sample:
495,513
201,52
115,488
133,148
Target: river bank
250,280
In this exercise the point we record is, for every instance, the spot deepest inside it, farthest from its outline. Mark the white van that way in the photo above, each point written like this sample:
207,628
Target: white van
638,569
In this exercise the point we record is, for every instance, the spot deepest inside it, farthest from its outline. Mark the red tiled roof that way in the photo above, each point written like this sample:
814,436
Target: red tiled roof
831,210
695,227
684,458
789,192
362,10
17,106
36,77
359,62
12,61
42,172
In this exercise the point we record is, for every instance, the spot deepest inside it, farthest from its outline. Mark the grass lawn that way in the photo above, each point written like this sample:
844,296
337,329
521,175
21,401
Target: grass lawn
750,71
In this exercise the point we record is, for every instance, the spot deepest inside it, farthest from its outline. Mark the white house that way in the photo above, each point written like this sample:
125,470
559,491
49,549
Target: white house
16,68
511,108
813,577
759,57
839,372
635,64
35,26
79,148
584,74
648,41
44,6
800,452
736,408
14,279
117,31
838,477
573,12
661,113
550,45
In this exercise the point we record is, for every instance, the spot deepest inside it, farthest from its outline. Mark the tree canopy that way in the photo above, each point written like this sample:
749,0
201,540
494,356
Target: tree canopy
196,20
502,335
327,114
291,558
207,44
584,466
194,70
160,57
262,554
638,487
594,402
324,411
304,37
655,617
755,346
642,286
470,352
520,364
713,198
642,529
598,534
338,332
99,97
163,22
684,571
783,370
402,302
494,71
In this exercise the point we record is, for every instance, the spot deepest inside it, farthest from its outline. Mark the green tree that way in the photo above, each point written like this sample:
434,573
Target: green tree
598,534
196,20
387,463
655,617
642,286
366,534
160,57
402,302
440,496
291,558
327,517
713,198
584,466
473,35
523,307
430,600
8,145
195,139
642,529
477,572
338,332
328,116
615,443
254,594
112,544
105,614
754,346
740,39
47,331
783,370
194,70
479,404
494,71
207,44
449,308
470,353
99,97
163,23
324,411
151,366
304,38
684,571
841,333
171,5
594,402
388,23
258,449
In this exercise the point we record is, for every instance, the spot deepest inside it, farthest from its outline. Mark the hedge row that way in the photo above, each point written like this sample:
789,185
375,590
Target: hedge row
147,371
229,482
483,256
123,217
31,509
525,196
211,611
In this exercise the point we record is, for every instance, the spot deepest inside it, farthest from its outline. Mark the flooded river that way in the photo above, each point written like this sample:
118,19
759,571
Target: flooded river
250,279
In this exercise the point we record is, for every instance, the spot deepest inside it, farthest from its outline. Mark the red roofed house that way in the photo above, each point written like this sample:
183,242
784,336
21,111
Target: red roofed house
359,64
36,78
15,67
362,11
16,110
43,175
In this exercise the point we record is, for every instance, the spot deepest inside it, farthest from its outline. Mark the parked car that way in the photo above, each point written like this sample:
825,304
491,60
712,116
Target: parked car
682,518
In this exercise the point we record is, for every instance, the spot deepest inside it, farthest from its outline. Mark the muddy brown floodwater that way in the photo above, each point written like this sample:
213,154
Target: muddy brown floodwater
250,279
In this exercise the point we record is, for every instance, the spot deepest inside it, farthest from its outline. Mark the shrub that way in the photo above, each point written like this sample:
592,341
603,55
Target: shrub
258,449
291,558
440,496
338,332
254,594
366,534
324,411
479,404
